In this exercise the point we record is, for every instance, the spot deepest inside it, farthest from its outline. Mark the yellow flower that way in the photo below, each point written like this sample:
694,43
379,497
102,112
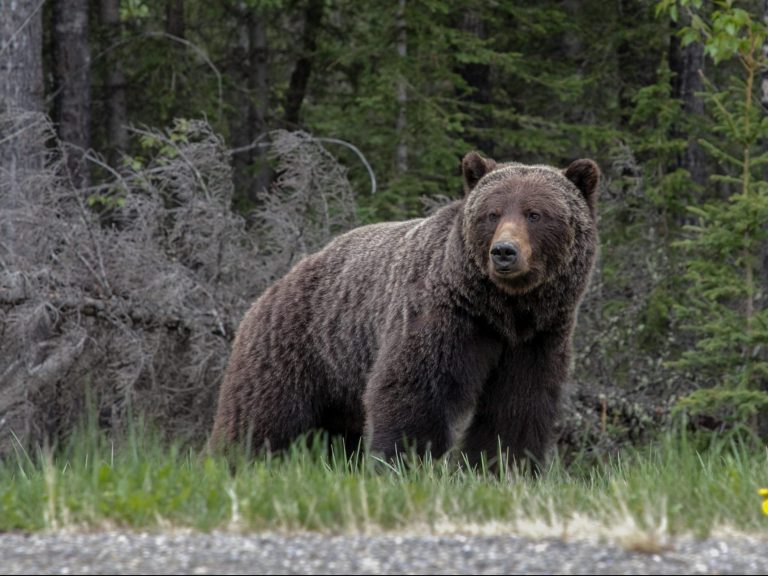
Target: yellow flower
764,493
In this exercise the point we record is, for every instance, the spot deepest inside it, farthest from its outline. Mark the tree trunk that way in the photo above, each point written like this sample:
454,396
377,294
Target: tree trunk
401,154
117,107
686,62
693,107
624,64
174,18
258,86
239,98
72,84
21,85
478,78
252,172
175,27
297,88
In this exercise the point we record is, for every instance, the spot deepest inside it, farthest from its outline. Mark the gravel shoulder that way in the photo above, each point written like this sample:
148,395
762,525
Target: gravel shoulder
228,553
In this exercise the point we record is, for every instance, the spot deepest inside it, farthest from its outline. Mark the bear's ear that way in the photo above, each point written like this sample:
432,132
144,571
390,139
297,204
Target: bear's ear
586,176
474,167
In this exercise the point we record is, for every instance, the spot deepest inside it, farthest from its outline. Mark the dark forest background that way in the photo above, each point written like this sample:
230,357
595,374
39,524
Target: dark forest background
162,161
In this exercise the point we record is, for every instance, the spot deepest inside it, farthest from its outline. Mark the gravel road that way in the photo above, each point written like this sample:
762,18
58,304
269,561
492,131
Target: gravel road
226,553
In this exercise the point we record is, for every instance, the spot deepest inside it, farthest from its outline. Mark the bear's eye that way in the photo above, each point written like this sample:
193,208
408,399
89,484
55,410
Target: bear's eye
493,217
533,216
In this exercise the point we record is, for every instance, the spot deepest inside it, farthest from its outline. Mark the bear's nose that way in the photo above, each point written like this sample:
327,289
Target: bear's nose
504,255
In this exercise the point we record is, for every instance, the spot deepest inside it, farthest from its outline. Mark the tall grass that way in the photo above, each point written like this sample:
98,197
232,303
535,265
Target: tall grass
669,487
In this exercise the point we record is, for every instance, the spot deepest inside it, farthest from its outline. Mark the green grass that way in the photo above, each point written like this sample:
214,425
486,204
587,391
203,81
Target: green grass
663,489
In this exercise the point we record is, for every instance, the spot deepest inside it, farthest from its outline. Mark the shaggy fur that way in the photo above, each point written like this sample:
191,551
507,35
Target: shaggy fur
406,333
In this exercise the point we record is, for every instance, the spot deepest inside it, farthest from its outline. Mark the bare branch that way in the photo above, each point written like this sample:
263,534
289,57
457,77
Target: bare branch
139,282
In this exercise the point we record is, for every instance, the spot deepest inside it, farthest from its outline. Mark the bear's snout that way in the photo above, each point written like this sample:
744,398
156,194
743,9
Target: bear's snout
510,251
505,256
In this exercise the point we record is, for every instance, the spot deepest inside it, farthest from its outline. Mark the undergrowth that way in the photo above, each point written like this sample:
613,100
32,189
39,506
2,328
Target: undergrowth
672,486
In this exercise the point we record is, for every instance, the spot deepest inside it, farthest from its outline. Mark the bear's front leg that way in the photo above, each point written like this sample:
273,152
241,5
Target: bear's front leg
520,404
427,377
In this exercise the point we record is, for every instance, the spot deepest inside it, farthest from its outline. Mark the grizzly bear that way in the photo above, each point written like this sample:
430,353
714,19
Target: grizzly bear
452,331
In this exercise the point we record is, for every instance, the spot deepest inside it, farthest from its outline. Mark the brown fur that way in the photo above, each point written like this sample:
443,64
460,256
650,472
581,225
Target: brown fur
404,330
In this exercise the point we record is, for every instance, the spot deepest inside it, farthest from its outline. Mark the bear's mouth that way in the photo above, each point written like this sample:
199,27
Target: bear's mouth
514,280
508,272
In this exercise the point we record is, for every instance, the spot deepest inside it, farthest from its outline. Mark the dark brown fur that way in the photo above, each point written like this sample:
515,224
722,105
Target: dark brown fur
404,331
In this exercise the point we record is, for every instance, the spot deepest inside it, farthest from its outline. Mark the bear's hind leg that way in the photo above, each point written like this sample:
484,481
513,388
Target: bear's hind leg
256,417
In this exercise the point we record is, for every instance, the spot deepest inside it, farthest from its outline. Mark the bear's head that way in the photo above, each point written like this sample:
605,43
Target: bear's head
523,225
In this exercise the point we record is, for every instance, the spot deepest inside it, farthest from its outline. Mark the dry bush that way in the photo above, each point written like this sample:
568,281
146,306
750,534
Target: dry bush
129,293
320,194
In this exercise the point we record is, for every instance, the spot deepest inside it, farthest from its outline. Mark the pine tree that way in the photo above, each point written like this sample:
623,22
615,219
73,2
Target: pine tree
724,305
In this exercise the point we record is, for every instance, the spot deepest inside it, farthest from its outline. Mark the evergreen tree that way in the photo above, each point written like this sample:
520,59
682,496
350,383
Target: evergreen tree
724,305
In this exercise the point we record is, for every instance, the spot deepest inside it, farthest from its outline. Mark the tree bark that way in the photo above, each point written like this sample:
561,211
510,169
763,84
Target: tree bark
401,153
117,107
297,88
258,86
21,84
175,24
72,84
252,173
687,62
21,55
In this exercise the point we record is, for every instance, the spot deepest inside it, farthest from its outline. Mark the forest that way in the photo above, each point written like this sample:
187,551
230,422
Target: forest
163,161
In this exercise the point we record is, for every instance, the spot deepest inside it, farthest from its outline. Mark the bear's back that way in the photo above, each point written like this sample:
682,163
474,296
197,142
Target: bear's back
367,275
337,303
